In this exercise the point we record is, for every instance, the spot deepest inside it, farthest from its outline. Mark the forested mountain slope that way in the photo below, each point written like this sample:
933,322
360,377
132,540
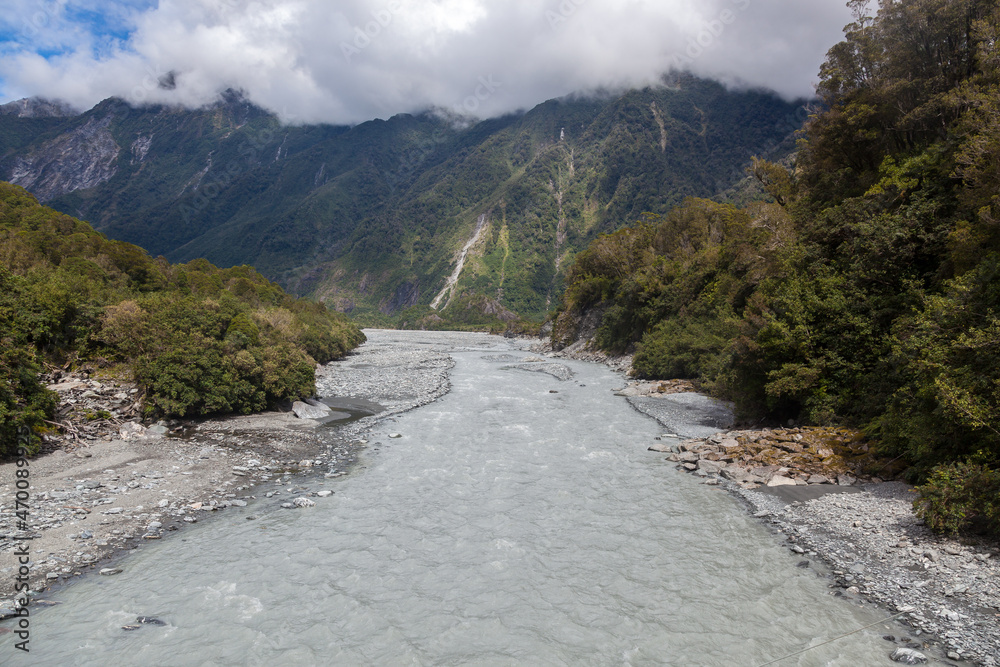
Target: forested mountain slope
372,218
867,291
195,338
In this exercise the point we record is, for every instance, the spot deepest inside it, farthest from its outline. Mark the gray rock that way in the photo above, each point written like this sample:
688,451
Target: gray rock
908,656
303,502
131,431
324,494
238,503
157,429
780,480
664,448
710,467
109,571
307,411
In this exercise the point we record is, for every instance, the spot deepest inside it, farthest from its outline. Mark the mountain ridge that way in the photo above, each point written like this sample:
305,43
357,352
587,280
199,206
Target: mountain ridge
372,218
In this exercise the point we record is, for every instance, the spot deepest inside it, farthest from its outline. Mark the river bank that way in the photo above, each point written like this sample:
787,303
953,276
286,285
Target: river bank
874,546
103,489
946,591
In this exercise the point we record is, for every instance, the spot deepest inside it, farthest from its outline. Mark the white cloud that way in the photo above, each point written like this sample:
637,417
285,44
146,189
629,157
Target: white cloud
374,58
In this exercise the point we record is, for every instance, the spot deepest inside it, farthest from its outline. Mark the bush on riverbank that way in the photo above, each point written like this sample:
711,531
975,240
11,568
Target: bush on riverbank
959,497
866,291
198,339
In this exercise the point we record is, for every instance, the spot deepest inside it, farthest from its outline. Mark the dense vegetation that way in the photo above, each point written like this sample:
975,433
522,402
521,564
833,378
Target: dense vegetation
198,339
369,218
867,290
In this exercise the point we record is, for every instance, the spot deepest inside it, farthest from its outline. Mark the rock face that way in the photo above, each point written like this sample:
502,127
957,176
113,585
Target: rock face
77,160
304,410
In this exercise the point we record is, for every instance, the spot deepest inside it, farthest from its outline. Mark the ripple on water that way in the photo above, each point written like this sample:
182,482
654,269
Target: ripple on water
506,528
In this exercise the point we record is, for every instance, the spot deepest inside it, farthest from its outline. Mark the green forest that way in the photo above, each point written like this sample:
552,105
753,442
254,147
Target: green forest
865,289
197,339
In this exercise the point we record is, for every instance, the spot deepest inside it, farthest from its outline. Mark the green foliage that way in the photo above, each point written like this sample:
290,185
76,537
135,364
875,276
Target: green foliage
348,214
868,292
959,497
25,403
198,339
683,348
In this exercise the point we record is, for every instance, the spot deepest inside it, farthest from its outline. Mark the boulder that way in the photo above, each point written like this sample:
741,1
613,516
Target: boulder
780,480
710,467
908,656
304,410
131,431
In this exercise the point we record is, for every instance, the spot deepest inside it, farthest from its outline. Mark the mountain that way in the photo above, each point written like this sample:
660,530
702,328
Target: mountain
400,218
866,291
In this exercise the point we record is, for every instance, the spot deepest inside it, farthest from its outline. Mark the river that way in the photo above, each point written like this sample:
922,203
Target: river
519,520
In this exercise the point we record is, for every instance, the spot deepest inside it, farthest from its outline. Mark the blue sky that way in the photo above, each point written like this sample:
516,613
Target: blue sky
351,60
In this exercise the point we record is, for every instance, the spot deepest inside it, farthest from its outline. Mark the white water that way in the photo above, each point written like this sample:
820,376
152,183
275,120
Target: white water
509,526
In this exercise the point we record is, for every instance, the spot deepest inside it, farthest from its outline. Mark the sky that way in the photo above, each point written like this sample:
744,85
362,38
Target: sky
347,61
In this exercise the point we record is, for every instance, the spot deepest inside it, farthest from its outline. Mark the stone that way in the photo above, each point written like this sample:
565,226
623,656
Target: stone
113,510
710,467
109,571
661,448
846,480
908,656
324,494
689,457
818,479
149,620
306,411
163,503
780,480
52,575
131,431
303,502
158,429
395,435
238,503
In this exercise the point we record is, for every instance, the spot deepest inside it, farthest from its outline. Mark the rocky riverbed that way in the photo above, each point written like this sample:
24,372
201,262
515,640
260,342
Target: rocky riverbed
105,484
807,484
108,486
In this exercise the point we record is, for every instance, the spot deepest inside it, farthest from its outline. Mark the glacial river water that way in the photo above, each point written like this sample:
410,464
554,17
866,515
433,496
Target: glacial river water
508,526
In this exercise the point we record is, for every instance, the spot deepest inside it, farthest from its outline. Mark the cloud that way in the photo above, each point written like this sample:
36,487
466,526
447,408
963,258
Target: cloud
363,59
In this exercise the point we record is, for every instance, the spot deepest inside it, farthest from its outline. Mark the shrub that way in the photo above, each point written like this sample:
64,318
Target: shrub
24,403
959,497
